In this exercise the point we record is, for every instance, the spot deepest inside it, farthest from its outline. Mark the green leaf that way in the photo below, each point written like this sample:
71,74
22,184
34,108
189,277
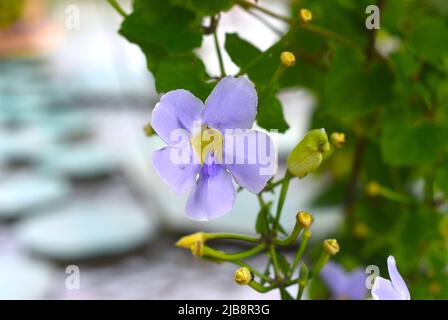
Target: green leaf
403,144
172,28
186,72
261,225
354,91
442,179
240,51
285,295
283,263
428,39
270,114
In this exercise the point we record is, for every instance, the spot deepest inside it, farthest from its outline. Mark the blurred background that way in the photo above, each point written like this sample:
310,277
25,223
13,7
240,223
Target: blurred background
77,189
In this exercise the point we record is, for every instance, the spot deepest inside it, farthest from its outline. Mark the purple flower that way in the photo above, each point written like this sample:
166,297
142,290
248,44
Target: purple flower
343,284
396,289
207,138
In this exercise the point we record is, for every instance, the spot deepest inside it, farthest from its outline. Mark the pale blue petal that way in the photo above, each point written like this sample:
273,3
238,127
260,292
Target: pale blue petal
384,290
250,157
180,176
177,109
214,194
397,280
231,105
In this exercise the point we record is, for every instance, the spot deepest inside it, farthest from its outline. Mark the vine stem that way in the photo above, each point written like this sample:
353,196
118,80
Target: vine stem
219,53
232,236
245,4
232,256
298,256
117,8
282,197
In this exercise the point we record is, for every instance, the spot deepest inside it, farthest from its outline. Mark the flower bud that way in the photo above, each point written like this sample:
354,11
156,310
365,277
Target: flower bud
360,230
331,246
337,139
187,241
305,15
288,59
243,276
307,156
197,249
373,189
303,275
304,219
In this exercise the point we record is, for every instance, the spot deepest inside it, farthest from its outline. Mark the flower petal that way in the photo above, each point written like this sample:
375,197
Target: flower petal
178,175
384,290
177,109
250,157
335,278
397,280
214,194
356,286
231,105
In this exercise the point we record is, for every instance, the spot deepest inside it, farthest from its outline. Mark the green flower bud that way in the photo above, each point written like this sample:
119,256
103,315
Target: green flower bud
303,275
149,131
309,153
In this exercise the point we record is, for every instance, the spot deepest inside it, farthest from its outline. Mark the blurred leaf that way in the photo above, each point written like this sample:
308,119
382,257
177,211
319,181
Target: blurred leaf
428,39
403,144
261,225
208,7
283,263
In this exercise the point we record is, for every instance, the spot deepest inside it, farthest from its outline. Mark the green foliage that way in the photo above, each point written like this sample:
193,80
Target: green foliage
392,106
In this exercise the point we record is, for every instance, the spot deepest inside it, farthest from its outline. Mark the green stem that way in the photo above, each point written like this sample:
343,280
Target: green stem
298,256
218,51
395,196
275,261
117,8
300,293
263,21
264,208
328,34
282,197
266,270
259,287
232,256
232,236
291,238
323,259
247,4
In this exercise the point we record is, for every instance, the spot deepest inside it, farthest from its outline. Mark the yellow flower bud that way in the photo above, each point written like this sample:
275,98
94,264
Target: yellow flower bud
304,219
373,189
288,59
243,276
187,241
308,155
360,230
305,15
197,249
337,139
331,246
